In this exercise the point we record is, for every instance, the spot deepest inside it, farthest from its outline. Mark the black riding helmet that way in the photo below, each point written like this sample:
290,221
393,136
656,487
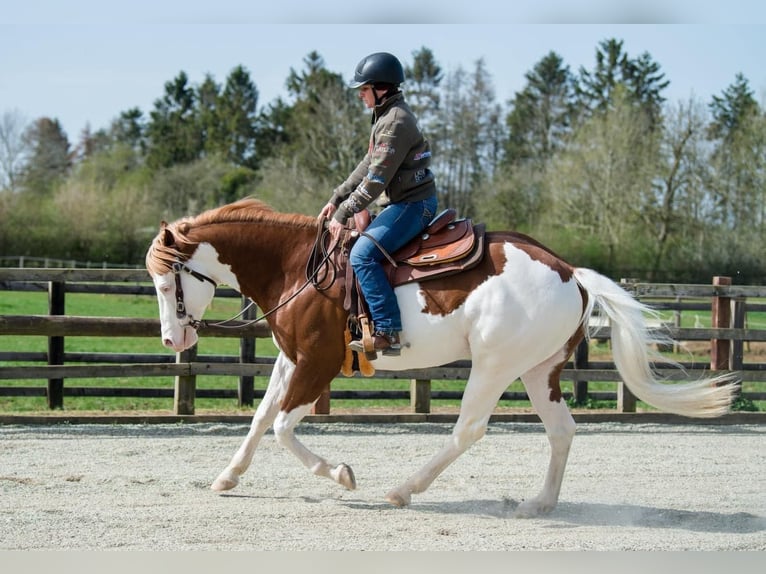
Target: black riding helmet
378,68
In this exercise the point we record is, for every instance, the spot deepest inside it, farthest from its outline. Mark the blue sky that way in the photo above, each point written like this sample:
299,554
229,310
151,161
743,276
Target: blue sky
85,61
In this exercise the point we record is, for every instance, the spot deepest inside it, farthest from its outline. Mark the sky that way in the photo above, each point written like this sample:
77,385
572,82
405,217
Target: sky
85,61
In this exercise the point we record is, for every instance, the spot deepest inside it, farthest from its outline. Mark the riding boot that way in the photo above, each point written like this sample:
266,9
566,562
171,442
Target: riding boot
385,341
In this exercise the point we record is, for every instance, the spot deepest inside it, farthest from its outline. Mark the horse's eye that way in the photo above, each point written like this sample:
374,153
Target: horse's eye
165,289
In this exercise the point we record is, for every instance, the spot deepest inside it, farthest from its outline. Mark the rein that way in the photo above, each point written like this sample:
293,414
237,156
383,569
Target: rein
314,266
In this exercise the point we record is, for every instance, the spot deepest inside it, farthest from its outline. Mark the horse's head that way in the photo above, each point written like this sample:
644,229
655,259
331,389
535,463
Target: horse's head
184,289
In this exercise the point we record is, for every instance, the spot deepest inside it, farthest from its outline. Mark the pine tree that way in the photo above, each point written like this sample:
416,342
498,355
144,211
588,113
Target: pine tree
540,113
173,133
421,85
639,79
50,156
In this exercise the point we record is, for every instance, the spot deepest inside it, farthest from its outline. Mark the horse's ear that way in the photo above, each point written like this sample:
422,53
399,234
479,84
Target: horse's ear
168,238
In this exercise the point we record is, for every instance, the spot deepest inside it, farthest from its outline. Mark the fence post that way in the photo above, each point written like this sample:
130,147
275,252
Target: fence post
677,322
737,358
420,395
56,306
186,385
626,401
580,388
246,389
739,311
721,318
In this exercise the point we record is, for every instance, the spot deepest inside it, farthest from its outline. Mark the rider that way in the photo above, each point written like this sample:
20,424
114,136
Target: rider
395,171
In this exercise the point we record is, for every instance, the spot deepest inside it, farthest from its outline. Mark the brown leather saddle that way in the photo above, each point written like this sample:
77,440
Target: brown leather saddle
447,246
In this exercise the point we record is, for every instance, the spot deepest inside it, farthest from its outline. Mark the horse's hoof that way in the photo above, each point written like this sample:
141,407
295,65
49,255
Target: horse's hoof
346,476
398,499
532,508
223,483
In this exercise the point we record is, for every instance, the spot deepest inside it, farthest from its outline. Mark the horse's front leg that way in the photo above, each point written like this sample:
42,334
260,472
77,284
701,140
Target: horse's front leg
264,416
284,431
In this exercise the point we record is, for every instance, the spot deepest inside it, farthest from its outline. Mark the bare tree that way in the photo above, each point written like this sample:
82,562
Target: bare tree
13,148
467,148
674,212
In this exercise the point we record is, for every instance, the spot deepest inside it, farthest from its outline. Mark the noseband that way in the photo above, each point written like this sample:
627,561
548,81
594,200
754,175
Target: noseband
181,313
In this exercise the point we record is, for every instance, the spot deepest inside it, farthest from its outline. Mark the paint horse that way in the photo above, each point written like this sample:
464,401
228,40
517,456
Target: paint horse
519,313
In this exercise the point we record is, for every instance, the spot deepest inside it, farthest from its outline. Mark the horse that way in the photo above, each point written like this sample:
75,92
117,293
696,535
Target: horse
518,314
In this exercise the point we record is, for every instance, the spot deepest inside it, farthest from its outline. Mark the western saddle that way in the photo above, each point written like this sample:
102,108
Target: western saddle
445,247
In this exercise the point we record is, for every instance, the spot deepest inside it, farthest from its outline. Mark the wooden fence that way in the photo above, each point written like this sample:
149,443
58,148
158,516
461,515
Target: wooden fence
728,303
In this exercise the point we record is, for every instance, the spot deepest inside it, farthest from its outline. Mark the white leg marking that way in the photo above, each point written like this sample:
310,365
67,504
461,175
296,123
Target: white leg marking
284,426
264,415
481,394
560,428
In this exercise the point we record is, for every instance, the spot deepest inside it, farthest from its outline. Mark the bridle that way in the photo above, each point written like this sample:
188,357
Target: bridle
181,313
317,264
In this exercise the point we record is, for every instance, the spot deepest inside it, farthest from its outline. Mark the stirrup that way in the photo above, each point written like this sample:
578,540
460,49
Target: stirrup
387,343
357,345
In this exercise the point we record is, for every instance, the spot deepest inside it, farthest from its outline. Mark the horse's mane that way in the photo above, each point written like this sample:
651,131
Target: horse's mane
161,255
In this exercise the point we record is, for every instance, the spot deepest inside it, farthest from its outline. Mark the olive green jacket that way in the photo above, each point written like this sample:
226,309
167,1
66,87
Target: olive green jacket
395,167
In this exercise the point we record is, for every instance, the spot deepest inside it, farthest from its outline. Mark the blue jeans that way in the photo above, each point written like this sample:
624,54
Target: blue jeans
392,228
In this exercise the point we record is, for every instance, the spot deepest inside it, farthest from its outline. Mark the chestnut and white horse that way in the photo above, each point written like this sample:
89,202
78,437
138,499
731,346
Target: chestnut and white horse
518,314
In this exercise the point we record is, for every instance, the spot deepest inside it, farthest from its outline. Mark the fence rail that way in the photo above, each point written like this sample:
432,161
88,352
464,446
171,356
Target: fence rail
729,305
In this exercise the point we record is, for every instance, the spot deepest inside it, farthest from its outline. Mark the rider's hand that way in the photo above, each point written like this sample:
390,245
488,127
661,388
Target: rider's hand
336,228
327,211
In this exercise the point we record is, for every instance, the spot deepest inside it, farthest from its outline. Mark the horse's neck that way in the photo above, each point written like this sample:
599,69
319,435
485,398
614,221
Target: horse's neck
261,260
209,259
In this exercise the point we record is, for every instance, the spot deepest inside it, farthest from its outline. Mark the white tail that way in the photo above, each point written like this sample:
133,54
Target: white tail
633,355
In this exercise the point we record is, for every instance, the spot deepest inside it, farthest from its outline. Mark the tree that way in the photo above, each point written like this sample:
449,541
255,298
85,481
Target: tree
732,109
514,198
674,214
13,149
600,182
237,111
738,172
422,82
467,147
228,117
737,158
191,187
174,135
641,81
645,83
596,88
209,117
130,129
90,144
540,114
49,156
325,133
272,129
537,125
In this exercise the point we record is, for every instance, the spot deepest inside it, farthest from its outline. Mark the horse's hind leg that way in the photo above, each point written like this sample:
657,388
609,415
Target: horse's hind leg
559,427
482,391
264,415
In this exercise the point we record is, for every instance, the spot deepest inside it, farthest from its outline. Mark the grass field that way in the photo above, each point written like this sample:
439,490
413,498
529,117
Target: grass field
35,303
